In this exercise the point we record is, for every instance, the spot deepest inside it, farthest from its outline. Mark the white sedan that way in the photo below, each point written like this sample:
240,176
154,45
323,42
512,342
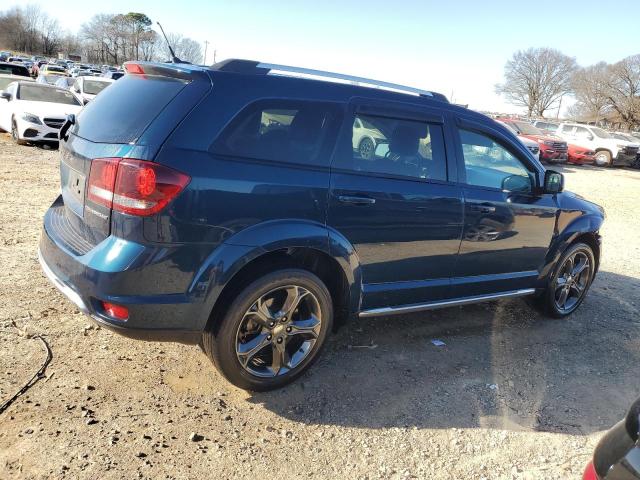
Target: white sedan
88,87
34,112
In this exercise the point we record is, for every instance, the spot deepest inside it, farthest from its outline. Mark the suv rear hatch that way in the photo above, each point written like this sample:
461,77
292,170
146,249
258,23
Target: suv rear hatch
128,120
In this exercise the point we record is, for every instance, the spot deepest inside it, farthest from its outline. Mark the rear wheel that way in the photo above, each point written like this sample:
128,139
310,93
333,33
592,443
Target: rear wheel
273,330
603,159
570,282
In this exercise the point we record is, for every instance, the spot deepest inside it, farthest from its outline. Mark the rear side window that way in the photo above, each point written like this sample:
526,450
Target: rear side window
292,131
397,147
123,111
8,69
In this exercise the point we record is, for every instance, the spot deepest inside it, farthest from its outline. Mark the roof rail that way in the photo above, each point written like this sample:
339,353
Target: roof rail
340,78
250,66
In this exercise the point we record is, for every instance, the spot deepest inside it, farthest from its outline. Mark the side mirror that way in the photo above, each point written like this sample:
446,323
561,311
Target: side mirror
5,95
553,182
70,120
590,137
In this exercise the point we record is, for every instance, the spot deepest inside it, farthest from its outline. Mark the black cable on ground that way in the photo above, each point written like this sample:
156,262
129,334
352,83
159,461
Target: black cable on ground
37,376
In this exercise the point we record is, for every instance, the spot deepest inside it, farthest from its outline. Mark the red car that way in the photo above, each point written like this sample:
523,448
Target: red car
580,155
617,456
552,149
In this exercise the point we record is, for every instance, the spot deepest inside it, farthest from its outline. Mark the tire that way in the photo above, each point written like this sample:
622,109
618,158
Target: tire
366,148
14,134
577,287
603,159
246,333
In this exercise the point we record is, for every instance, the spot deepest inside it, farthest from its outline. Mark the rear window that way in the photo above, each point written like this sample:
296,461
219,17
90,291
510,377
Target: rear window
123,111
292,131
14,70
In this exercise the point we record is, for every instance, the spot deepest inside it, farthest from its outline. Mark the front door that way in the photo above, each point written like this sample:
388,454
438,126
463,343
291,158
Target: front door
508,226
392,198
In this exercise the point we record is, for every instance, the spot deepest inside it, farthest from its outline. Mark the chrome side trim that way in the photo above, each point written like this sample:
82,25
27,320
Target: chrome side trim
322,75
377,312
65,289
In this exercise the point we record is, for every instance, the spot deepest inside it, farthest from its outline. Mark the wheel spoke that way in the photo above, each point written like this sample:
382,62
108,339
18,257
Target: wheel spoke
281,361
568,266
294,297
562,300
580,267
578,288
561,282
246,351
309,326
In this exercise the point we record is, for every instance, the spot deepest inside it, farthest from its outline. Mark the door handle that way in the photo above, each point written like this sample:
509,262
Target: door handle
356,200
482,208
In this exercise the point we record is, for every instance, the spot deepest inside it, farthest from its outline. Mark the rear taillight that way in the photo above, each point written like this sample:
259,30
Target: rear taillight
590,473
136,187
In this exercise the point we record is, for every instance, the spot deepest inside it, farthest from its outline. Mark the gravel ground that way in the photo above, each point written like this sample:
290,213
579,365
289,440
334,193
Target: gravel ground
512,395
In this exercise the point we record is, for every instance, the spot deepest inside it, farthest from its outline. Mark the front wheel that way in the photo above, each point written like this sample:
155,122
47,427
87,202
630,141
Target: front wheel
570,282
273,330
15,135
603,159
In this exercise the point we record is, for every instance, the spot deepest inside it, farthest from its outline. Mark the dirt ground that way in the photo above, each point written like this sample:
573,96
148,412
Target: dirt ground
512,395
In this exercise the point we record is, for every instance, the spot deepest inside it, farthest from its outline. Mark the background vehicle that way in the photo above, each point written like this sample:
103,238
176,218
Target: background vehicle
65,82
86,88
547,126
617,455
531,145
552,148
50,69
33,112
14,69
48,79
579,155
113,75
257,230
610,151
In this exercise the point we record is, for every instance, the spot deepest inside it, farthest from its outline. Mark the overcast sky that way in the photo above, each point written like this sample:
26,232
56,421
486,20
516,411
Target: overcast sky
454,46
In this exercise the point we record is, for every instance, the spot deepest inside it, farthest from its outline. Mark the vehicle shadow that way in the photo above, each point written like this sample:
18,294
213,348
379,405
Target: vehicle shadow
503,366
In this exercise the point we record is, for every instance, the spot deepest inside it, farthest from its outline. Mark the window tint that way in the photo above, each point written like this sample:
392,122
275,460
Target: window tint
123,111
583,133
489,164
396,147
282,130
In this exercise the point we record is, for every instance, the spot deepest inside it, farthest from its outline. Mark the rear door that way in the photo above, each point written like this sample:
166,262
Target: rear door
117,124
508,226
393,196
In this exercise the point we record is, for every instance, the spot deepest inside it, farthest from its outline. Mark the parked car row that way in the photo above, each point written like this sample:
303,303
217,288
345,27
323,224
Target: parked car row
39,66
35,111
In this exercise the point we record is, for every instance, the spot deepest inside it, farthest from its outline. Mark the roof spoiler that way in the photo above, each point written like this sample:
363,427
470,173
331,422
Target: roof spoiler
182,71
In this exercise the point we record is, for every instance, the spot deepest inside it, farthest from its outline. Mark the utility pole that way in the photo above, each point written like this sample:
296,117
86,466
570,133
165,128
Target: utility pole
559,106
204,60
214,55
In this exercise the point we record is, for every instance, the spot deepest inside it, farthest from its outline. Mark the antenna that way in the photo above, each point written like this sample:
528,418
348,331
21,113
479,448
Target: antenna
174,59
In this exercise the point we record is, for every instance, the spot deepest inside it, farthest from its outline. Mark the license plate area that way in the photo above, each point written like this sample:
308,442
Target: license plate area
73,188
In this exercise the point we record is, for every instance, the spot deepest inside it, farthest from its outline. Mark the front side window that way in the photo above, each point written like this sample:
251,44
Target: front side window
397,147
583,133
489,164
600,133
282,130
567,128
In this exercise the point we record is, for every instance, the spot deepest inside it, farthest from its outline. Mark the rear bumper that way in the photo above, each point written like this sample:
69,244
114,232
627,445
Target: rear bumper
88,279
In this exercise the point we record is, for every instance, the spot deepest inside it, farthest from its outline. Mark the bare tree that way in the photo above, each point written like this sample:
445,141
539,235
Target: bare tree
537,78
623,93
185,48
590,85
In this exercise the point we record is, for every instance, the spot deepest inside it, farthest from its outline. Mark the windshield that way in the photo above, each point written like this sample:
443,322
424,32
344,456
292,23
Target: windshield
94,87
54,68
528,129
600,133
4,82
39,93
